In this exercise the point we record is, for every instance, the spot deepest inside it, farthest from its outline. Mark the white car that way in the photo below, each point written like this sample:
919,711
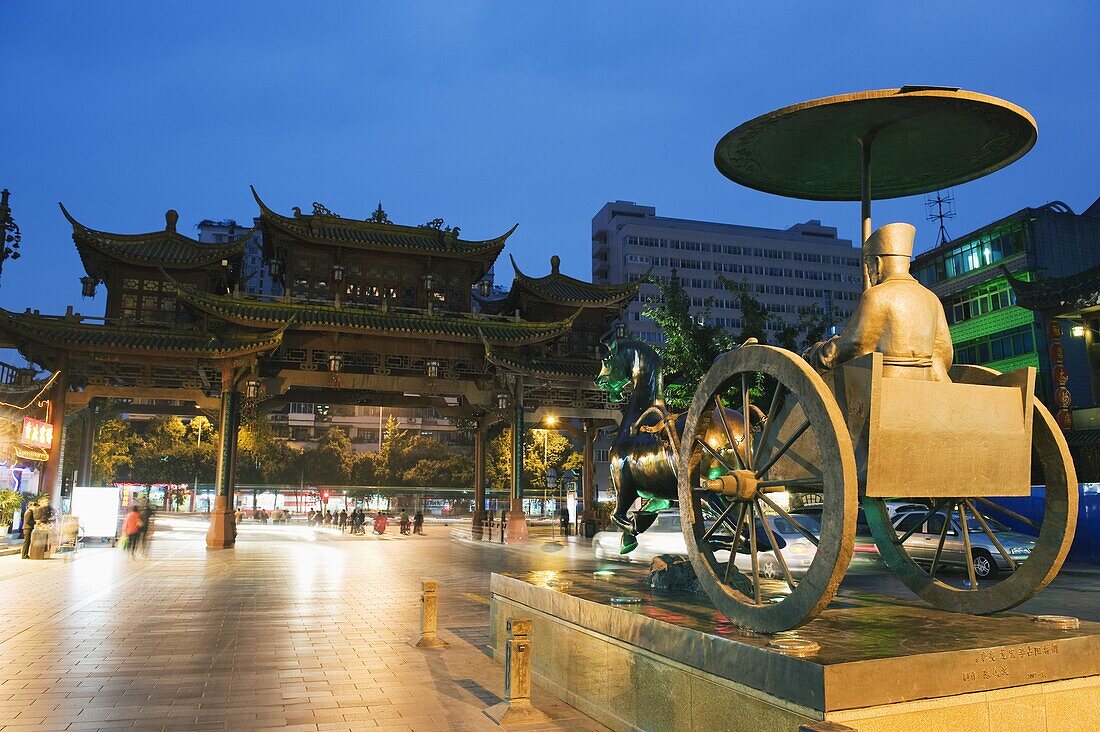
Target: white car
665,537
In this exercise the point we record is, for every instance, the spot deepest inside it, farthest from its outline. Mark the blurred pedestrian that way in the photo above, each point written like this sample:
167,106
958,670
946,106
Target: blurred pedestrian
404,519
418,522
28,527
343,519
380,522
145,511
131,527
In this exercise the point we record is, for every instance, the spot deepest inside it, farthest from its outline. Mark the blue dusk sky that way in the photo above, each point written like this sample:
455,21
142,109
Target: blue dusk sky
489,113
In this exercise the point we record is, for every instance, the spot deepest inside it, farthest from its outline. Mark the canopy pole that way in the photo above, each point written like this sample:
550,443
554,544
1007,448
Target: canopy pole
865,196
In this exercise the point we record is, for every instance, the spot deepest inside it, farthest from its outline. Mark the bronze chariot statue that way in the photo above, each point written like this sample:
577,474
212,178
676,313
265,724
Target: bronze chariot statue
876,414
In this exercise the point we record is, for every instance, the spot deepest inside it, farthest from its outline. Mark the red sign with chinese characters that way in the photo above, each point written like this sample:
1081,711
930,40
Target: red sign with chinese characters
37,433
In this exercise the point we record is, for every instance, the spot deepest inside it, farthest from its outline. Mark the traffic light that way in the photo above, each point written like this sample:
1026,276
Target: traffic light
67,487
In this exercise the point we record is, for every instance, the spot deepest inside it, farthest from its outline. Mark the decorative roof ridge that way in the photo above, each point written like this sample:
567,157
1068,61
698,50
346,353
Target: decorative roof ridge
168,232
366,224
297,313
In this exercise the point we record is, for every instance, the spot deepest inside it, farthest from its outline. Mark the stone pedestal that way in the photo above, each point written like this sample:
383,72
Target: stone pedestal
634,658
517,531
222,533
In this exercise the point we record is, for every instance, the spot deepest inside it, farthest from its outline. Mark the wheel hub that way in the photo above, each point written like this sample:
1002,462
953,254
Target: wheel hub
740,484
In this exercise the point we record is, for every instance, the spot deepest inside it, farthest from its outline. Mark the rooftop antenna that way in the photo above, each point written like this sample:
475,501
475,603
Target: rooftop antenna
940,207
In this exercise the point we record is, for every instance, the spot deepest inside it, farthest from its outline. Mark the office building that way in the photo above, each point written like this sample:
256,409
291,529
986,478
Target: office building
791,271
988,327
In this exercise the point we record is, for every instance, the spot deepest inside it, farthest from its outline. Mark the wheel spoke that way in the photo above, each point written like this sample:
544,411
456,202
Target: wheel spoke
969,557
992,537
950,505
901,539
722,517
775,547
731,564
755,559
799,527
715,455
726,427
783,449
750,459
1008,512
766,433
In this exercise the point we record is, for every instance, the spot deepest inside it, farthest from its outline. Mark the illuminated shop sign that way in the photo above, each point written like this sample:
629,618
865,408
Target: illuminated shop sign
37,433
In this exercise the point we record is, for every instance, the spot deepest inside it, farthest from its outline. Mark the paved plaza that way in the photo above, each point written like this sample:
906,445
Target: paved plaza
293,629
289,630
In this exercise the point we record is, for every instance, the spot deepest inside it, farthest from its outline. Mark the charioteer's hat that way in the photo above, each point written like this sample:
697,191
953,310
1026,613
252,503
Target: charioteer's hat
892,240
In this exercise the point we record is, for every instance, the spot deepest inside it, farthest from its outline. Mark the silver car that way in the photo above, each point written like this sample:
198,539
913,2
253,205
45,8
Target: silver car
665,537
988,560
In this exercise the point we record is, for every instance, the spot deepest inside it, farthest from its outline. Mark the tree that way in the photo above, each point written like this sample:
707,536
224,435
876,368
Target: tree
560,454
330,462
692,342
112,452
498,461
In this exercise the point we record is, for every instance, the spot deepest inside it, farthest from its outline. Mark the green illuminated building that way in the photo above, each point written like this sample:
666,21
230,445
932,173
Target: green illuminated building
988,327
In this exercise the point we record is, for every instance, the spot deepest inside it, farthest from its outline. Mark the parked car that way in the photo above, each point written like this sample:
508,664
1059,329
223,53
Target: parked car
865,552
665,537
988,560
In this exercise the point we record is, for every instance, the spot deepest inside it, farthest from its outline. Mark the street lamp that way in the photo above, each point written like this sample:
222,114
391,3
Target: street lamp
10,236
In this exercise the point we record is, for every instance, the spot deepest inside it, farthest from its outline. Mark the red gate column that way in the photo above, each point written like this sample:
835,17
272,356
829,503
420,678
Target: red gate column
478,518
588,480
223,529
51,475
517,519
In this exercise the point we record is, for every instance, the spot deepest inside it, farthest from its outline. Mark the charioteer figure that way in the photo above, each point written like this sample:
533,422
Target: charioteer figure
897,317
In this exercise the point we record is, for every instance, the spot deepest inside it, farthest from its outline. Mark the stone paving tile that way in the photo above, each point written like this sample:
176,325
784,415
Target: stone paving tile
277,633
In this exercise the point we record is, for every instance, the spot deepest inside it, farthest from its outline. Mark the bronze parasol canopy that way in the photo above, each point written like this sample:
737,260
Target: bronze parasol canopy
877,144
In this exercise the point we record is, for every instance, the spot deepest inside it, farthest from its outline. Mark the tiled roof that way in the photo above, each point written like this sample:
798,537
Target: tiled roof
335,230
1058,295
74,335
564,290
545,368
303,316
166,249
23,396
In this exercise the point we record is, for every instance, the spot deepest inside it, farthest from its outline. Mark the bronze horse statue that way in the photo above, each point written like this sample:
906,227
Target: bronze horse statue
644,453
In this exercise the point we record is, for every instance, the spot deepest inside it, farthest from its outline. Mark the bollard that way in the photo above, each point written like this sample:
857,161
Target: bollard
516,707
429,617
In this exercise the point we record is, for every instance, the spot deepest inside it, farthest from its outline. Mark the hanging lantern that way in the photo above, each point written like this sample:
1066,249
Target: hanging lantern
275,267
502,401
433,369
87,286
335,362
429,282
252,389
484,288
338,273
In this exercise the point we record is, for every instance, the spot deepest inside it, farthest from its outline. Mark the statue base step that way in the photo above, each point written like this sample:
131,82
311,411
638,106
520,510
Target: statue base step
636,658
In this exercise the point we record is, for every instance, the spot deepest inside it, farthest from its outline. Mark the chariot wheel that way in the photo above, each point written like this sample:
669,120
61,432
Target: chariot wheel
736,479
951,551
